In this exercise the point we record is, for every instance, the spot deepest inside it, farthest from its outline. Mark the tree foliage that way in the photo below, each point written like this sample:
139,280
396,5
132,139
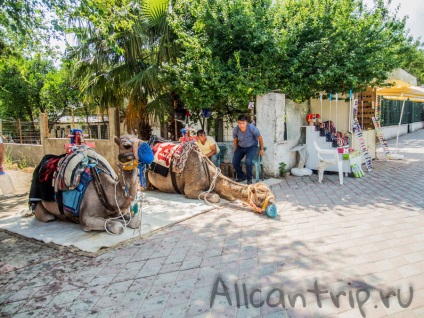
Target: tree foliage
229,50
29,25
154,55
335,46
226,52
21,81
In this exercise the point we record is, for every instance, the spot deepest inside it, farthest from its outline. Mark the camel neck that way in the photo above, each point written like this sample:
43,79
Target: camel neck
228,188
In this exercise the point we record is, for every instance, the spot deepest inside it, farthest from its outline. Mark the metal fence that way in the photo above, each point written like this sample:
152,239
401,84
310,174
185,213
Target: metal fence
391,109
16,131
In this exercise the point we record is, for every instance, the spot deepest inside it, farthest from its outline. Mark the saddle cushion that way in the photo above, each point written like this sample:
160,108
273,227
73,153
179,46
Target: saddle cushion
163,153
72,199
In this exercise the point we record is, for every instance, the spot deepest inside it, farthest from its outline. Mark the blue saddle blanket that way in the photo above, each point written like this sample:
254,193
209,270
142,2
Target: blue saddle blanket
72,198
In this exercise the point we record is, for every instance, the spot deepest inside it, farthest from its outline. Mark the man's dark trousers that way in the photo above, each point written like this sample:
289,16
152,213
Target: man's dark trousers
250,153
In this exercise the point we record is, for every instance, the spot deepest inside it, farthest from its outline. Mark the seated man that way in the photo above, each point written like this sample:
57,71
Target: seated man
208,146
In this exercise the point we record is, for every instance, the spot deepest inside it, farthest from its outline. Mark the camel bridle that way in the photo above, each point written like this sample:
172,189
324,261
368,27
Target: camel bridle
128,161
256,207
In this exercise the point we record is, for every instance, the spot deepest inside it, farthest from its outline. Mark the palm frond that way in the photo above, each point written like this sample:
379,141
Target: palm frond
155,11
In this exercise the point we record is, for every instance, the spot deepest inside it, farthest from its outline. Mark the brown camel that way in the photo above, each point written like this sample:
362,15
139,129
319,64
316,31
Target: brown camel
196,179
93,216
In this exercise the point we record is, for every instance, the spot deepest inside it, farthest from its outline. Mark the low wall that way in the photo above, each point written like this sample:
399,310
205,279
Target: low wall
29,155
416,126
390,132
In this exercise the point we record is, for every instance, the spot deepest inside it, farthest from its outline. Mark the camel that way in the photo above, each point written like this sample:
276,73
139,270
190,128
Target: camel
93,215
199,173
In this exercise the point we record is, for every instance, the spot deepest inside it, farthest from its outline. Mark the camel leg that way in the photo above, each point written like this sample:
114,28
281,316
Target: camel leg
132,221
98,224
194,194
42,214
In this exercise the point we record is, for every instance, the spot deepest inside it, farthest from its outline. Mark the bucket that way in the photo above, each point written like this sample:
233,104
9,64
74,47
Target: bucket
6,184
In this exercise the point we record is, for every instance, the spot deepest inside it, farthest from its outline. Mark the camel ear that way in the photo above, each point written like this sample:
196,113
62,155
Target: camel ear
117,140
139,143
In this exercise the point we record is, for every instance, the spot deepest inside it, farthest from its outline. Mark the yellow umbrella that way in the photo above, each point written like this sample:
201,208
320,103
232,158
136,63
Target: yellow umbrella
403,91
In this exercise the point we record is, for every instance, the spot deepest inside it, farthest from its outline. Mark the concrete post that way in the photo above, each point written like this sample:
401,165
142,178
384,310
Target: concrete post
112,119
44,127
270,110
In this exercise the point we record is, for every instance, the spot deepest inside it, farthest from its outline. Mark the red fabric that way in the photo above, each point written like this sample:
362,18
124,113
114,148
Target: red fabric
48,170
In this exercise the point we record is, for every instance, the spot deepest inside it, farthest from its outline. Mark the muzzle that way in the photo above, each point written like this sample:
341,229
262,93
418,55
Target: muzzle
269,209
130,163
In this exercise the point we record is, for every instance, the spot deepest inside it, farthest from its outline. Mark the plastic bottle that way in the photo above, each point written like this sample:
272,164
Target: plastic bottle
6,184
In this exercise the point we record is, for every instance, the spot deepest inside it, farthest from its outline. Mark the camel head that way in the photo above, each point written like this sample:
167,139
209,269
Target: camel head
262,199
127,155
132,151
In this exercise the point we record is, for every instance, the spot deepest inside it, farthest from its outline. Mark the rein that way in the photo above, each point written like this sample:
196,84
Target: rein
100,191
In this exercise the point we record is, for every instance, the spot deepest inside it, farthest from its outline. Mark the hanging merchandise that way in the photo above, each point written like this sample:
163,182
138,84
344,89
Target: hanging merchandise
337,101
187,118
381,138
358,132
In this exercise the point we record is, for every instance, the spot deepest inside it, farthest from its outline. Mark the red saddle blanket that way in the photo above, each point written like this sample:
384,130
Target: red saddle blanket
163,152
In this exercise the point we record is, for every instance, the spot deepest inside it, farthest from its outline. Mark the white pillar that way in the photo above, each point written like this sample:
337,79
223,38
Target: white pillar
270,112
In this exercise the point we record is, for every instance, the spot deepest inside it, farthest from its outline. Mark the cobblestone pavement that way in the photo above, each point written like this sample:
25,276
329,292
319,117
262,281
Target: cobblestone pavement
361,241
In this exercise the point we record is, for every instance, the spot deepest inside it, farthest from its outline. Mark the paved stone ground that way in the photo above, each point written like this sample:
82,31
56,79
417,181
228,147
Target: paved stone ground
363,238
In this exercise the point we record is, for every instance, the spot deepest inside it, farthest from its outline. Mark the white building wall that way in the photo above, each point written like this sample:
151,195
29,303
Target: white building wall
270,113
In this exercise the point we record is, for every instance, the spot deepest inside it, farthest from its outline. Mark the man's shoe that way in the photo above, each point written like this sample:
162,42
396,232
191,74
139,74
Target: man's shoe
249,181
241,179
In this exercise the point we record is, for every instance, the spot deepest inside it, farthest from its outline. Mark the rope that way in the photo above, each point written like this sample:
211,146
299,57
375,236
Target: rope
121,215
139,201
213,182
117,217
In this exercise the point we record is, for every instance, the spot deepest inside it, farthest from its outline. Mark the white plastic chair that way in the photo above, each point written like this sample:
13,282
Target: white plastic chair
331,158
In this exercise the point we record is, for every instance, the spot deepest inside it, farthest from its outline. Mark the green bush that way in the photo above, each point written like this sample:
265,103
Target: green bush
282,168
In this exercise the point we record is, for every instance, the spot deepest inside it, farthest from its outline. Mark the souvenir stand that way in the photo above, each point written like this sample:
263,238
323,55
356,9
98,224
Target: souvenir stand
337,124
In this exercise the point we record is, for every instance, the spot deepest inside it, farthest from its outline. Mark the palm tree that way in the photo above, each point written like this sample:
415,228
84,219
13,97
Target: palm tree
125,71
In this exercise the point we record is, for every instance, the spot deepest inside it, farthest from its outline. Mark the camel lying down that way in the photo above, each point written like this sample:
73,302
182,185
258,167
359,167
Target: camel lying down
196,179
110,212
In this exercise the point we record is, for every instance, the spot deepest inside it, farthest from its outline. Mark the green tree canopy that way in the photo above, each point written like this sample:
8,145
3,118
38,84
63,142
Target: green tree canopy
229,50
226,52
21,81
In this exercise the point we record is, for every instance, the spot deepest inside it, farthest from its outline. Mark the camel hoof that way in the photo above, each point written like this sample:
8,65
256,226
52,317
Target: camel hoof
214,198
115,227
135,222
